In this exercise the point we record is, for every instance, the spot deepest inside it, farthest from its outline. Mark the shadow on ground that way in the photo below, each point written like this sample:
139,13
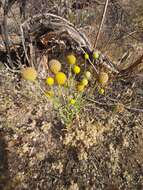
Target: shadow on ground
4,176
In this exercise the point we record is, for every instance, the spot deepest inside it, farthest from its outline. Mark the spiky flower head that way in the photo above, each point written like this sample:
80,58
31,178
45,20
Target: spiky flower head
103,78
60,78
84,82
76,69
71,59
50,81
88,75
29,73
55,66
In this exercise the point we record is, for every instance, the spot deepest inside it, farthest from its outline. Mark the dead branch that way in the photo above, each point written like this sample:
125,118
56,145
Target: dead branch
4,28
132,66
56,23
101,24
56,30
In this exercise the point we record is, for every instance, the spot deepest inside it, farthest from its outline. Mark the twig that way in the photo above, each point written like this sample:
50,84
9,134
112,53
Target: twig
11,70
97,102
5,33
135,109
61,24
101,24
111,105
132,66
14,18
23,43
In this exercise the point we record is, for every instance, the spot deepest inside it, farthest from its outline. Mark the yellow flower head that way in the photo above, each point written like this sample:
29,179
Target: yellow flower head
71,59
29,73
88,75
103,78
80,87
84,82
86,56
72,101
50,81
76,69
60,78
55,66
96,55
101,91
49,94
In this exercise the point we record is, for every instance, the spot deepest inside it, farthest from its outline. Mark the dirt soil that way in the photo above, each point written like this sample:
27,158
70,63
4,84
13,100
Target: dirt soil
34,154
37,153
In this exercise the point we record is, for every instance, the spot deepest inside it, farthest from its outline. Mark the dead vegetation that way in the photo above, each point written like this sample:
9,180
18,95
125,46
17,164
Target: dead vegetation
96,141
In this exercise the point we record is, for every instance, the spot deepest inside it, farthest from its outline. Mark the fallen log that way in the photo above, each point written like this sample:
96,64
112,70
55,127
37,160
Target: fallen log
53,34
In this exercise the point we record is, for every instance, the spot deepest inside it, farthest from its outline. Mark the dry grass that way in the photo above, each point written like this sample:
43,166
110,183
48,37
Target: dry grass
101,148
101,142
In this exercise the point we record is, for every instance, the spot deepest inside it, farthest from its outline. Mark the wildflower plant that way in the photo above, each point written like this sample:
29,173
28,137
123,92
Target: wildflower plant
66,82
66,87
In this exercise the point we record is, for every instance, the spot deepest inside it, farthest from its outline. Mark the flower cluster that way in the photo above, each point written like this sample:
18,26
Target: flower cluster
69,78
66,81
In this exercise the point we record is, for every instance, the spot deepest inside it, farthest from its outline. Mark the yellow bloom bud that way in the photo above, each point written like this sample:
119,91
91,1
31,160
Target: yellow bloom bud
72,101
86,56
88,75
96,55
76,69
84,82
101,91
55,66
71,59
60,78
50,81
29,73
